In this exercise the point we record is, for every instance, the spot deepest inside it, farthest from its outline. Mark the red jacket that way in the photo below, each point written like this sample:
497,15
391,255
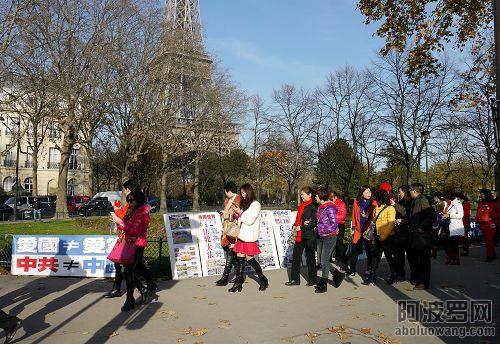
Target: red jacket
341,210
493,208
466,218
136,227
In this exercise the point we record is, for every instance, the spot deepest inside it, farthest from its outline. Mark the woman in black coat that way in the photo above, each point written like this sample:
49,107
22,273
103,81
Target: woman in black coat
306,238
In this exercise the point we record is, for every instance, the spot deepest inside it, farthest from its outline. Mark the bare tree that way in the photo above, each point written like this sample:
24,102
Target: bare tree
410,110
290,129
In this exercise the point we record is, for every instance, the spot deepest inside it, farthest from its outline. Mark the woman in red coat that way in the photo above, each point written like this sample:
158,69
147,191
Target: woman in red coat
487,216
135,225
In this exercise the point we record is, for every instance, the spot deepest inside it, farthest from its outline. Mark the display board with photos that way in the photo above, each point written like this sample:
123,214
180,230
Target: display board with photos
182,236
209,235
268,257
195,238
283,223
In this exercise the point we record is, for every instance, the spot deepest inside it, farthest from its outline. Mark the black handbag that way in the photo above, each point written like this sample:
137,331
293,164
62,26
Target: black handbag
421,240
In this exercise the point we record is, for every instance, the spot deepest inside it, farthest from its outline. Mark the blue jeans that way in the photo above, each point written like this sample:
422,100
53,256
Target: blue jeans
326,246
37,213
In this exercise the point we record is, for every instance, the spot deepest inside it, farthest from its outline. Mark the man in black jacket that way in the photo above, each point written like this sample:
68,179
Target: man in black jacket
422,216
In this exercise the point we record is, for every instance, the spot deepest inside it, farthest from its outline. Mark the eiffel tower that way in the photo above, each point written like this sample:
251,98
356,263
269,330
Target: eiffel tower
184,16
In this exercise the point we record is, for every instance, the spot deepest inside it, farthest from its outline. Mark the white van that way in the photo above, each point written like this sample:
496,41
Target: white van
112,196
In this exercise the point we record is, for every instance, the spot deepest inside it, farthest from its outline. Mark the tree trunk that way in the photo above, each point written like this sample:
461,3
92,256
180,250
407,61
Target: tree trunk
62,181
90,152
34,159
196,182
163,190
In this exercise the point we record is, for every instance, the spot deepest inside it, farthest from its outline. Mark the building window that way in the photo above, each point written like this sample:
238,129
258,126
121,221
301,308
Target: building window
29,158
10,157
7,184
53,158
54,131
28,184
12,126
72,187
73,159
52,187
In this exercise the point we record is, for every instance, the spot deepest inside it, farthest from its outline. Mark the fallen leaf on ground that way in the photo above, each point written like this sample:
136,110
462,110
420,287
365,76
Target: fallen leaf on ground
211,303
112,334
280,297
187,330
366,330
343,335
201,285
352,298
225,324
86,332
311,335
377,315
200,332
355,316
172,314
180,340
199,297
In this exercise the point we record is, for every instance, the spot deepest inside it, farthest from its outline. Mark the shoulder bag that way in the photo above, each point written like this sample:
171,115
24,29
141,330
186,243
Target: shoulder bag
370,231
124,251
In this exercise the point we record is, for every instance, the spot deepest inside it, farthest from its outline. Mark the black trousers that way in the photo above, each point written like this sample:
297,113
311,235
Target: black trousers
298,248
339,246
402,251
357,249
422,266
140,268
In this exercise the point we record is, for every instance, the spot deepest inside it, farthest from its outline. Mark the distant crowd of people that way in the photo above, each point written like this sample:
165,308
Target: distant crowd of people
406,227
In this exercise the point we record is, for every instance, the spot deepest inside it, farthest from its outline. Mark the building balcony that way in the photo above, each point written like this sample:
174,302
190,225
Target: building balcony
9,163
53,165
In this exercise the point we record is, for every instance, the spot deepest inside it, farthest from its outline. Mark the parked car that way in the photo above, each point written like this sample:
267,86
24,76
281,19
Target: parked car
6,212
179,204
74,203
154,203
25,206
96,207
110,195
48,210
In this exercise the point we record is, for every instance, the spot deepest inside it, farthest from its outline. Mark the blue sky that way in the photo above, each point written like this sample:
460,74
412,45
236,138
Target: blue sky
267,43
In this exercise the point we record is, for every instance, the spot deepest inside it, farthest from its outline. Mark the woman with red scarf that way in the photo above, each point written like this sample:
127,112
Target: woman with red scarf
305,222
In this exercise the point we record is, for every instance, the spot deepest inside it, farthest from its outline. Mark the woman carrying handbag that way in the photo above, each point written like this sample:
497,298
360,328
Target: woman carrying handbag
135,225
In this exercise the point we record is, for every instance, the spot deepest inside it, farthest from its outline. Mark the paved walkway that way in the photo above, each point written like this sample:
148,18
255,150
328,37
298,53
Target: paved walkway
72,310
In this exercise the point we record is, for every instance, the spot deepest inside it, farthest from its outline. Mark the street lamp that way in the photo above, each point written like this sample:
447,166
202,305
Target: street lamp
425,136
18,151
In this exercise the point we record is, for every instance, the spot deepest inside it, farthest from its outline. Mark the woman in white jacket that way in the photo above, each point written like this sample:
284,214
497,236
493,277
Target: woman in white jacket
246,247
455,212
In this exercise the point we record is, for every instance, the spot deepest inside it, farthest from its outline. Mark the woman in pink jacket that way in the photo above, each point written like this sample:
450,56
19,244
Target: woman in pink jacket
135,225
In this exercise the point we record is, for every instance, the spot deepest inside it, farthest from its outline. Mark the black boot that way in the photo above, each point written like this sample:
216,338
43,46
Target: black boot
115,292
321,287
227,269
337,277
394,278
128,305
370,278
263,282
238,284
242,276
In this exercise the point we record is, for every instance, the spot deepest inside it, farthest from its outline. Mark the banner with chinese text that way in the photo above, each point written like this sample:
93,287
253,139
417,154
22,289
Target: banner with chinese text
209,235
62,255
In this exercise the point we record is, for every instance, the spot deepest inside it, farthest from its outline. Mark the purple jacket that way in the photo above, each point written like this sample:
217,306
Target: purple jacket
327,220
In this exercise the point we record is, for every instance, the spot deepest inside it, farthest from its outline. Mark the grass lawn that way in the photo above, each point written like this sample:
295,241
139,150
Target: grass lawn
77,226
